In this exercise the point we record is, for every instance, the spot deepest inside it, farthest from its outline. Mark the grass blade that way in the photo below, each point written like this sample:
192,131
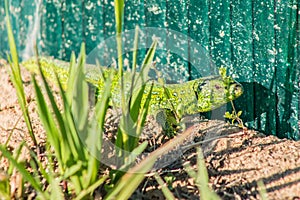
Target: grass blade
168,194
16,75
262,190
25,174
94,140
92,188
56,191
146,65
119,12
135,175
201,178
53,134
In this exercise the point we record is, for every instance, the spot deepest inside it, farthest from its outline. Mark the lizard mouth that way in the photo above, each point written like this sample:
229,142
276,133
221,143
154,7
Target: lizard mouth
236,90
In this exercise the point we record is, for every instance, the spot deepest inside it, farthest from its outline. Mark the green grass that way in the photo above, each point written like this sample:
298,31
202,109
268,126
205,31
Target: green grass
74,138
74,133
15,75
200,177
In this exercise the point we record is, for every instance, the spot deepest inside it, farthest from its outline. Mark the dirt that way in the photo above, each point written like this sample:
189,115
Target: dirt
234,164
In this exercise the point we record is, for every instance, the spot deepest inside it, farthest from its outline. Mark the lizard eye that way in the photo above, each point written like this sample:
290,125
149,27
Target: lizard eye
218,87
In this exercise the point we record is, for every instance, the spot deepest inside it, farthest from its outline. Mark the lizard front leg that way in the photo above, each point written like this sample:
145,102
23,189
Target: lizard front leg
169,122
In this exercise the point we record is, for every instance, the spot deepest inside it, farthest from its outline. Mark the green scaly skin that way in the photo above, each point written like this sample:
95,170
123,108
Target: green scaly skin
199,95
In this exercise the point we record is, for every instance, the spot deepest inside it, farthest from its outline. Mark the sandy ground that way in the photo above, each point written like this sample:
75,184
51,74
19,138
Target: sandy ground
234,164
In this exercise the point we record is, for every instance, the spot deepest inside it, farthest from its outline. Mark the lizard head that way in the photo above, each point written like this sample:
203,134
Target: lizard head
213,92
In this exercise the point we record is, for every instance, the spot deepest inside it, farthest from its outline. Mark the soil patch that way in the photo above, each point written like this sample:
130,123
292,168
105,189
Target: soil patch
234,164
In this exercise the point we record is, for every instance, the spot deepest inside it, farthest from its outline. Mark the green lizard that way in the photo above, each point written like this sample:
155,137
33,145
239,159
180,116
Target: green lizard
199,95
